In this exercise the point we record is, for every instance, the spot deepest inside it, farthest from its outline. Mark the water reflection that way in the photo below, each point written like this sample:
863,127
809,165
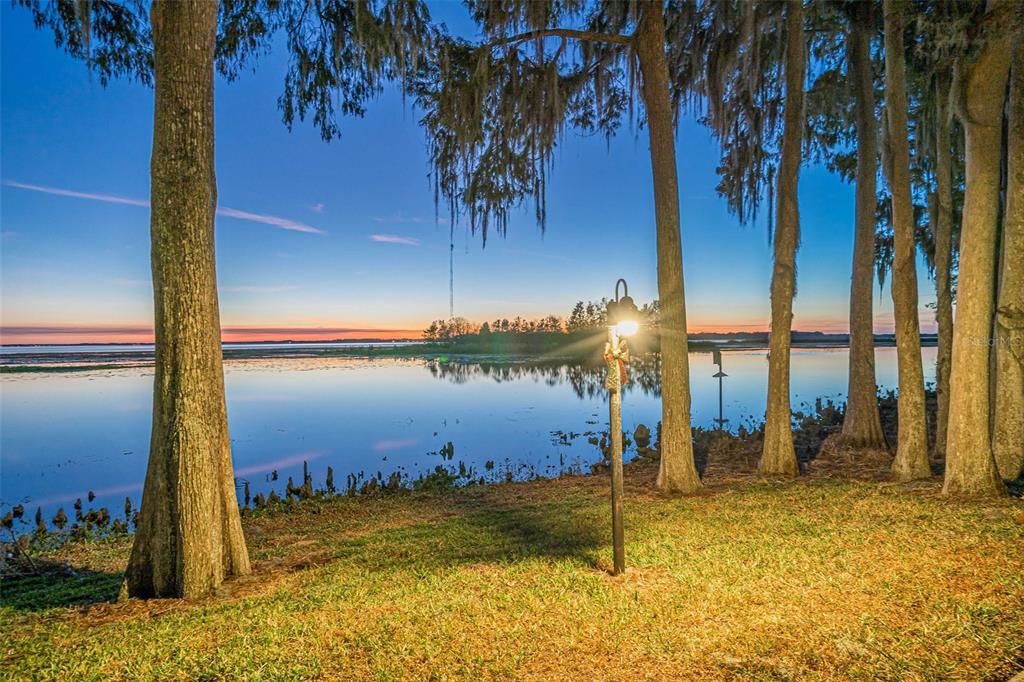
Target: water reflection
65,434
585,379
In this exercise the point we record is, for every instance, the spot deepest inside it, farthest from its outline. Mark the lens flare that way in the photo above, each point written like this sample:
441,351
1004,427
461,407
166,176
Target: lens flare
627,328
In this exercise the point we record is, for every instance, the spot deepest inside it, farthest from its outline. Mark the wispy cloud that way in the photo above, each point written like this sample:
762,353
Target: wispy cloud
266,219
57,330
317,208
394,239
282,223
255,289
91,196
145,331
312,331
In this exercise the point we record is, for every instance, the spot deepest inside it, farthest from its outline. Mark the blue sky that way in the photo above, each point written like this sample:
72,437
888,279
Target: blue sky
343,236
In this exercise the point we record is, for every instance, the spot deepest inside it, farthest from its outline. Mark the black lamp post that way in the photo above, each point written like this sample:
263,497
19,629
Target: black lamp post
716,358
623,321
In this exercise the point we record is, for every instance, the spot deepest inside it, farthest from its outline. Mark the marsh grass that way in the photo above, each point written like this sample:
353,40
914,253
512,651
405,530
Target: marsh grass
815,579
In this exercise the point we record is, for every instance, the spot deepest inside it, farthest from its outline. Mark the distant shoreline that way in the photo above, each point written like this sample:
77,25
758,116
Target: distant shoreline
66,359
354,342
716,338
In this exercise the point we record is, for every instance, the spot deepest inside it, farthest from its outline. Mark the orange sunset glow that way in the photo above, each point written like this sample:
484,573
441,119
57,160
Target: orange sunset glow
40,335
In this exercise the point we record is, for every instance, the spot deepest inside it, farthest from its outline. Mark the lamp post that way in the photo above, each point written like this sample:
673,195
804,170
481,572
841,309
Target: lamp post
622,319
716,358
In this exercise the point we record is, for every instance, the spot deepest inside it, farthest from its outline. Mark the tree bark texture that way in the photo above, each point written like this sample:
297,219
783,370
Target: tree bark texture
1008,425
189,537
970,465
677,472
862,425
911,460
943,235
778,457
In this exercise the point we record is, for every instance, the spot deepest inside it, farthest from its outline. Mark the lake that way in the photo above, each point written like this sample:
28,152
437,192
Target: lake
63,434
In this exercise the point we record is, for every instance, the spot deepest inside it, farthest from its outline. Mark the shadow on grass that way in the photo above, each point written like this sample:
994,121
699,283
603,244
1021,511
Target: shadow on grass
1016,488
486,531
486,535
54,585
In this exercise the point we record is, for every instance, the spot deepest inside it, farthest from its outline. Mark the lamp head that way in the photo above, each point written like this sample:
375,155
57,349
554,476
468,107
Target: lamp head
624,316
612,313
627,327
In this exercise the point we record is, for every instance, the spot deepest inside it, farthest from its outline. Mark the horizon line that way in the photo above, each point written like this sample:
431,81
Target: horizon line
44,335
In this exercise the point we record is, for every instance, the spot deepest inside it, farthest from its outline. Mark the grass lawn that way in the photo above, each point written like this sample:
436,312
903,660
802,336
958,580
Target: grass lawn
814,579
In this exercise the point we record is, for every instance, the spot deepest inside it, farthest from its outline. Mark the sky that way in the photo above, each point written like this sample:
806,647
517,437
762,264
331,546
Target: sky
320,240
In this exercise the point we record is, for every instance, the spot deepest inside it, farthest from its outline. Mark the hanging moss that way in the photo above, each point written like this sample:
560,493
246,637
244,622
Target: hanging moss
496,110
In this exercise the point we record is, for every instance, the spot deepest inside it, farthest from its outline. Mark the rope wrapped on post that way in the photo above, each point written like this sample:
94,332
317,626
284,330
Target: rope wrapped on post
616,360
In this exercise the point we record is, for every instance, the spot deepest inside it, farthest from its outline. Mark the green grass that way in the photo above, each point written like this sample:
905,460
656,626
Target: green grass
814,579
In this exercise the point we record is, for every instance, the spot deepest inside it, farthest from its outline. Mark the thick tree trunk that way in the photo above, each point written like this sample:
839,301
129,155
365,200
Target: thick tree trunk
862,425
970,465
778,456
189,536
1008,426
678,472
943,217
911,460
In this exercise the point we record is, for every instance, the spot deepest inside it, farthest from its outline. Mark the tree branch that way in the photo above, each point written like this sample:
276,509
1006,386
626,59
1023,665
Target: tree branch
587,36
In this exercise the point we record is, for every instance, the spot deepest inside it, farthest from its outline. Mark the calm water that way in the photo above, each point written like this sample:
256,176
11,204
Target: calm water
64,434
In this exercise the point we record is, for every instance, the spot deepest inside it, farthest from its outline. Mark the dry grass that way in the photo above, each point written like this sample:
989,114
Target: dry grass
811,579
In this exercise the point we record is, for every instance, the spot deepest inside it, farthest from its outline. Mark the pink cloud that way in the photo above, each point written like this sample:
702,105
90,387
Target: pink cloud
282,463
266,219
83,495
394,239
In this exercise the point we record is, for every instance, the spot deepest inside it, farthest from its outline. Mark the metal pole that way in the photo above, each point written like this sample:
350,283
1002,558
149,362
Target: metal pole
717,359
721,422
615,425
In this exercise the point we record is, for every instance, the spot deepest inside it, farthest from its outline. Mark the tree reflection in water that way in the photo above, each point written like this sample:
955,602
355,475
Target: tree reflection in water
585,377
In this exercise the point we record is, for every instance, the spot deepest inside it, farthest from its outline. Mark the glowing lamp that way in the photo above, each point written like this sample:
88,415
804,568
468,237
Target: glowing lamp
622,312
623,320
627,327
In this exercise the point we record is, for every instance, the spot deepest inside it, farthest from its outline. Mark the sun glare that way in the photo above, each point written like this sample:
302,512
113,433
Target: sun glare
627,328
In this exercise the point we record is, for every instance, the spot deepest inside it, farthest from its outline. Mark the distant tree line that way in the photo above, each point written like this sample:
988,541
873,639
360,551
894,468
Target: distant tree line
585,318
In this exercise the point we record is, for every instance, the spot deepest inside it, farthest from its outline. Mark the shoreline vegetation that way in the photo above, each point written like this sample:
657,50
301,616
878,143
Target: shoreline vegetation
861,577
578,337
579,346
27,528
